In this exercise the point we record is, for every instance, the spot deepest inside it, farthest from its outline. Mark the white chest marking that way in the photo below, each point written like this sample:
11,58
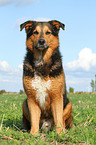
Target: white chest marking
41,87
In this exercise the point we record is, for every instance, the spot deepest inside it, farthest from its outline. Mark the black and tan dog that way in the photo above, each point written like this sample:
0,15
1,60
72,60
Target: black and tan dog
43,78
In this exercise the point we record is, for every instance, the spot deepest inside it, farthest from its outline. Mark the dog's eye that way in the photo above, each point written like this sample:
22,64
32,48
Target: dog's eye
36,32
48,32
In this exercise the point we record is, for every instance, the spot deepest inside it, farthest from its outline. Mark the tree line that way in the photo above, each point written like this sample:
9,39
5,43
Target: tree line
3,92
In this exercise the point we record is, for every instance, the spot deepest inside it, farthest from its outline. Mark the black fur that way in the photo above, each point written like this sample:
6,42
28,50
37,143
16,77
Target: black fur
65,99
54,68
30,30
28,67
26,122
56,65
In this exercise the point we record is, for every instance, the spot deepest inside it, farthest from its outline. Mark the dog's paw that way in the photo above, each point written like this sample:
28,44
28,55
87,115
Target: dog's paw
34,132
60,130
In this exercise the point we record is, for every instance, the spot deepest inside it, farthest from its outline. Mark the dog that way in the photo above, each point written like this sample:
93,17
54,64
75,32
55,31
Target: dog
47,106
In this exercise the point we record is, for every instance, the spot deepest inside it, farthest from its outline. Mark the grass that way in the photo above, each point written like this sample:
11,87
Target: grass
83,131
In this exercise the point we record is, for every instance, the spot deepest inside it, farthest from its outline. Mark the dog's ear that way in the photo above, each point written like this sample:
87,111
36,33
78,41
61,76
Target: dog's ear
57,25
27,25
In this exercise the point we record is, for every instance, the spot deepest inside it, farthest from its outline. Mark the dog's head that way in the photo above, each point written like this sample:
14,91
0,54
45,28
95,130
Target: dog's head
42,36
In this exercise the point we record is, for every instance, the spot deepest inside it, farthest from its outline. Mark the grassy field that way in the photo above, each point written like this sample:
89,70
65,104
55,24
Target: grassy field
83,131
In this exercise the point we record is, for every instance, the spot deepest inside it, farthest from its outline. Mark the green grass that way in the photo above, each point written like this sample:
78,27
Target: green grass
83,131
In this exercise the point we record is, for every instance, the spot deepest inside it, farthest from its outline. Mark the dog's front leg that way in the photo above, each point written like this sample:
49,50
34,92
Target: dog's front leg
34,115
57,110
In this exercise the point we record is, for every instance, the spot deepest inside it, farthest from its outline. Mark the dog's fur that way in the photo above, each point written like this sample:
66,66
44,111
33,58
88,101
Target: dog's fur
44,79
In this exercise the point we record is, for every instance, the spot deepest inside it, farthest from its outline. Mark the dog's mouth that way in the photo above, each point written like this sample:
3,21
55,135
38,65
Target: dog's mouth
41,45
41,48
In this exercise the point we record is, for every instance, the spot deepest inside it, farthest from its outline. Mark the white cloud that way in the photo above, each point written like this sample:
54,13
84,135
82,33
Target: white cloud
5,2
5,69
17,2
86,60
80,71
4,66
20,66
23,19
42,19
10,78
71,82
9,81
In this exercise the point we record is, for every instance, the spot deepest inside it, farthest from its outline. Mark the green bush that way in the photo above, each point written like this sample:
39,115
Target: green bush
21,92
2,91
71,90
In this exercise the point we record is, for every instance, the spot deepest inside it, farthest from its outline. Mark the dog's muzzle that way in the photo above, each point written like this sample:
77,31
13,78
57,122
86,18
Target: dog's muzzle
41,45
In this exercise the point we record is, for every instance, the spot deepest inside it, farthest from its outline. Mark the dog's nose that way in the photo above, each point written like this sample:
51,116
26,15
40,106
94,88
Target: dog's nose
41,41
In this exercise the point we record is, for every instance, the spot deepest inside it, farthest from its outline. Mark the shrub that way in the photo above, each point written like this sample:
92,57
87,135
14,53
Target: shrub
71,90
21,92
2,91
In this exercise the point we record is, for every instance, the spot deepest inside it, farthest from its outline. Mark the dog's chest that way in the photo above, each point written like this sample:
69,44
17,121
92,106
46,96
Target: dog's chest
41,86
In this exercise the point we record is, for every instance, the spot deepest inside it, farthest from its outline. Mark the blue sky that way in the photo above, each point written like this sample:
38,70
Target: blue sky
77,42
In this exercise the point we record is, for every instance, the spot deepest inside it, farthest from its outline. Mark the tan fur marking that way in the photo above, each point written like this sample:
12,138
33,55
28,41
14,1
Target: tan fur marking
56,24
45,29
35,113
29,44
67,110
28,25
47,55
38,29
56,92
58,89
67,115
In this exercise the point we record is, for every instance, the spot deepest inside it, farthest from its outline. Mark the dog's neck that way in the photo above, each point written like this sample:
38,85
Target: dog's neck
39,60
48,64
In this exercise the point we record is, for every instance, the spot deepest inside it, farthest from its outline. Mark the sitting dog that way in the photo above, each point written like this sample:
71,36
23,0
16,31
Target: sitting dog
47,105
